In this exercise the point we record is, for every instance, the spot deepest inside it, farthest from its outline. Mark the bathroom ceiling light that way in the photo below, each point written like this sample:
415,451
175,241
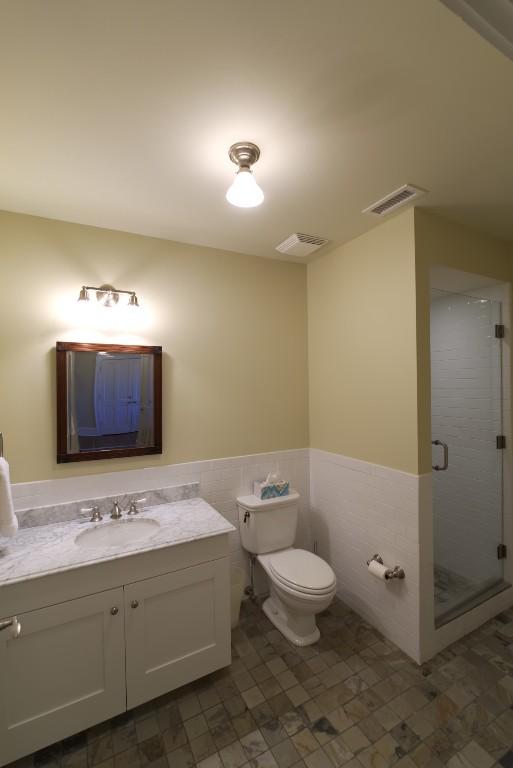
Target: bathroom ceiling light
244,192
107,295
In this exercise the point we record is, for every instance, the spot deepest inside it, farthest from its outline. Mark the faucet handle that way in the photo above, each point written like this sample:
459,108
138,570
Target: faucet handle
132,509
96,517
116,511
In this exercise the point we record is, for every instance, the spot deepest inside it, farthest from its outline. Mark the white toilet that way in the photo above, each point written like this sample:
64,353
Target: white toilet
302,584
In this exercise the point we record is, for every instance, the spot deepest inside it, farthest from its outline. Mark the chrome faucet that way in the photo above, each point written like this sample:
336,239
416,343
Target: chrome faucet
132,509
96,517
116,511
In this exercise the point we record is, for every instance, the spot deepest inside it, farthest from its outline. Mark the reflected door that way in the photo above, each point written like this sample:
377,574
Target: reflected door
117,394
466,408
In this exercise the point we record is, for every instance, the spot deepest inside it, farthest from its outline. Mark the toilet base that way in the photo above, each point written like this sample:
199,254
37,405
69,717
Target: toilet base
308,630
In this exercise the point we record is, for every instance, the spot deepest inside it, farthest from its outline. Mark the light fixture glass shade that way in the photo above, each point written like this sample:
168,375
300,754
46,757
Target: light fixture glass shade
83,295
245,192
110,299
132,301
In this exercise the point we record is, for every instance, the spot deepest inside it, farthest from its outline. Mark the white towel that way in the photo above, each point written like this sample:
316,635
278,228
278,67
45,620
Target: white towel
8,520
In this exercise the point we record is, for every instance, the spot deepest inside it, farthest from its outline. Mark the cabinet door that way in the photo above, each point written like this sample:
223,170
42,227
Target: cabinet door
65,672
177,629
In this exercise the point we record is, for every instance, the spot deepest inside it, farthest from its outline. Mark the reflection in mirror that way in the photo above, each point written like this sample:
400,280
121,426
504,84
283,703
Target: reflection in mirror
109,401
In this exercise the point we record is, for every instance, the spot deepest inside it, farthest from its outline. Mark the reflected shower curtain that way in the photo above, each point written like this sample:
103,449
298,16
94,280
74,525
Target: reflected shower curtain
145,432
73,444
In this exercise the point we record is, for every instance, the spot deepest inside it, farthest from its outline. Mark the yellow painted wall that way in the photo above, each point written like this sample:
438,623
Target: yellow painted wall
232,327
362,347
441,242
234,333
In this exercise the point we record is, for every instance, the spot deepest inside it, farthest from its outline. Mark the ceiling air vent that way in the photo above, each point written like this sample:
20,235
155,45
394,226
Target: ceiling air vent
299,244
399,197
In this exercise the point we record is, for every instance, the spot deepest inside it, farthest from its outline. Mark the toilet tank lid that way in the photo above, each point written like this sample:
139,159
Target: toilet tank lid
254,504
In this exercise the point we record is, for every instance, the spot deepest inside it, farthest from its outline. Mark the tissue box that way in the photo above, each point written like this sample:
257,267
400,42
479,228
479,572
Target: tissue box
264,490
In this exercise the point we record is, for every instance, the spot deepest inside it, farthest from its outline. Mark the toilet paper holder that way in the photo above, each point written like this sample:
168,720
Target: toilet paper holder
392,573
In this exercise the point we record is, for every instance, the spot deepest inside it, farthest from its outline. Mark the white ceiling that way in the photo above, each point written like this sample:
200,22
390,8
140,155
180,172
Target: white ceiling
119,113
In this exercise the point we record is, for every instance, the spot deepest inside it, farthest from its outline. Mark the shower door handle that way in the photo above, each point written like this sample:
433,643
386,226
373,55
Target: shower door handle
444,466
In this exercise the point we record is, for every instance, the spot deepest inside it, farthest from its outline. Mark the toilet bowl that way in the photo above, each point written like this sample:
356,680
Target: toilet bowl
301,584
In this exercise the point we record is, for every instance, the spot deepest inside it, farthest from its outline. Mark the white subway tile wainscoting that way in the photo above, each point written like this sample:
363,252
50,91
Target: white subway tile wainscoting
360,509
349,511
220,482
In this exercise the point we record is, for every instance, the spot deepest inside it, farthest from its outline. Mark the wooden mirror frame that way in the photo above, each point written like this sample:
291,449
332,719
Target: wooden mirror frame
62,401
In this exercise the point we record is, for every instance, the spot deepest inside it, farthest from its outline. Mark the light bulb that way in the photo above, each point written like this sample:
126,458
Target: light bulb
245,192
109,300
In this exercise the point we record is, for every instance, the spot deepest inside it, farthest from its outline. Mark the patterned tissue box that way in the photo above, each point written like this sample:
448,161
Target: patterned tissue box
264,490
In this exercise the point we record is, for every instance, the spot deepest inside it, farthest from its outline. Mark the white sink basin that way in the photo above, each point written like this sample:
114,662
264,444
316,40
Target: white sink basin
117,533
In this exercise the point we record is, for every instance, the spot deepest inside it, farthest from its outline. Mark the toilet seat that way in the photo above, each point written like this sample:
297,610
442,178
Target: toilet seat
303,572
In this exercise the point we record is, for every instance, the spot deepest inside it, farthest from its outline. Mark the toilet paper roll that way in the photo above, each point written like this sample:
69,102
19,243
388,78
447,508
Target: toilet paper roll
378,570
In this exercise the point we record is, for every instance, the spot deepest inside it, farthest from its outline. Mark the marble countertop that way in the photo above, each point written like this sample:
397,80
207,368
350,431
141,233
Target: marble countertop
46,549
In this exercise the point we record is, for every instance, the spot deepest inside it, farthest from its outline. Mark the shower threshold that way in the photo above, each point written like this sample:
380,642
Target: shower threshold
463,600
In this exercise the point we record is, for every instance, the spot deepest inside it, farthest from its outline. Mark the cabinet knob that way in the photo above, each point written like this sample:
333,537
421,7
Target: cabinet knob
114,610
135,603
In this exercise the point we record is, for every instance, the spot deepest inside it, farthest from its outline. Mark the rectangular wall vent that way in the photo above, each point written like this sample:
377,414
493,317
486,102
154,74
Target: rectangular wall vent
299,244
396,199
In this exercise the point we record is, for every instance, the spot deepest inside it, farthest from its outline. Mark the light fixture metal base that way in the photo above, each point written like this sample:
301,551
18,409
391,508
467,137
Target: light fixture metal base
244,153
107,295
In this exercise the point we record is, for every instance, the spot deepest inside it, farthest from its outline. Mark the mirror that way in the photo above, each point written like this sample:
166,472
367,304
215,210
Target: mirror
109,401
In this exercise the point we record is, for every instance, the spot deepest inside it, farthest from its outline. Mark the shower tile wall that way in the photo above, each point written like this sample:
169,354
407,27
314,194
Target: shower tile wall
466,389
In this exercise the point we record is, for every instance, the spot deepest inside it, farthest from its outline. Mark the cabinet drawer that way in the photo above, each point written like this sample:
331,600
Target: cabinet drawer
65,672
177,629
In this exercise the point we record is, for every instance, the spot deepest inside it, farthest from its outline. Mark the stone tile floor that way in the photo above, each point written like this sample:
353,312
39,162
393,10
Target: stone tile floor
351,700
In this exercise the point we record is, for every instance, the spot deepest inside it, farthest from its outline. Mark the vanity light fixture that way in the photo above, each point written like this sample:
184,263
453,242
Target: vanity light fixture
244,192
107,295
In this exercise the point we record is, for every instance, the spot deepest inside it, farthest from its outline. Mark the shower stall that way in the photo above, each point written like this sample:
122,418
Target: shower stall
468,443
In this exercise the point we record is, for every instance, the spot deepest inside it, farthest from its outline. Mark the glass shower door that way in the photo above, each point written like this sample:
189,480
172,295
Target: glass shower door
466,421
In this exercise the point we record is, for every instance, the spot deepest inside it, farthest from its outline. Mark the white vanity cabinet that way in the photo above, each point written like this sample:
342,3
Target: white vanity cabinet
175,629
66,667
105,642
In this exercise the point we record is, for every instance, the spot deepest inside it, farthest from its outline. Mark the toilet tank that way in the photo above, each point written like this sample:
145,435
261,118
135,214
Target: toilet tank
267,525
